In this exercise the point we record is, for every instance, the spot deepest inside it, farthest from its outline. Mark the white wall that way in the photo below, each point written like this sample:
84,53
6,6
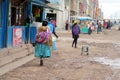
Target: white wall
62,16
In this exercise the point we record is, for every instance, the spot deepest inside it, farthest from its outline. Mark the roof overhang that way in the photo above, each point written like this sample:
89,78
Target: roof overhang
44,5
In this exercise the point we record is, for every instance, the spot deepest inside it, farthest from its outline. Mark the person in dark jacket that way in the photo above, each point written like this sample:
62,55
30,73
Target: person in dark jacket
75,33
99,28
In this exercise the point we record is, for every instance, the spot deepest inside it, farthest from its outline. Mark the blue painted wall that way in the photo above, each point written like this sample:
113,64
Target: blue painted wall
9,36
6,32
0,37
4,17
0,24
28,9
33,31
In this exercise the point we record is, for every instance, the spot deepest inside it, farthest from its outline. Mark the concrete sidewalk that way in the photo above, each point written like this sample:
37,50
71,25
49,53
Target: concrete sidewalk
11,58
10,66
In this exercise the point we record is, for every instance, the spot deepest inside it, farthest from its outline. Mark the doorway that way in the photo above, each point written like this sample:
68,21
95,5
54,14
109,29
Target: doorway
51,16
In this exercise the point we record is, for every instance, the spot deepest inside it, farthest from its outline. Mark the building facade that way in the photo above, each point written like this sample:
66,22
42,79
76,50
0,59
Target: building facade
14,15
3,22
56,13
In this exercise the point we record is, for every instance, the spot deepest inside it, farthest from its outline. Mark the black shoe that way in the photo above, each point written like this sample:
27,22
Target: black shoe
72,45
56,36
41,62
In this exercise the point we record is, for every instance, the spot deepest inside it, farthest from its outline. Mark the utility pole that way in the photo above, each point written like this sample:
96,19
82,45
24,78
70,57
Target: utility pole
69,11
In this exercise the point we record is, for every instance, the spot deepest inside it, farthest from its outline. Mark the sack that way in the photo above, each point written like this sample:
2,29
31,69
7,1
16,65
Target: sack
76,30
49,42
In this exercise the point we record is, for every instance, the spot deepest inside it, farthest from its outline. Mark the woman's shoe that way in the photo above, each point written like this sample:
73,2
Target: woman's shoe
72,45
41,62
75,46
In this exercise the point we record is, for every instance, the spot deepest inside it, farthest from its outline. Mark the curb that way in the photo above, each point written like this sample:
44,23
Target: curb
14,65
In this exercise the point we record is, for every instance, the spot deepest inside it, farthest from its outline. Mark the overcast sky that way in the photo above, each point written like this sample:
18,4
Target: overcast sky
110,8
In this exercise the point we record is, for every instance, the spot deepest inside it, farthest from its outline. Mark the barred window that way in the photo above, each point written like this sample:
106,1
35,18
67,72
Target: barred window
18,11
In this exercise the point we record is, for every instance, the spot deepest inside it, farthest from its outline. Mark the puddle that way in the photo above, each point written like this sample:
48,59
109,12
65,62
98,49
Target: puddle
114,63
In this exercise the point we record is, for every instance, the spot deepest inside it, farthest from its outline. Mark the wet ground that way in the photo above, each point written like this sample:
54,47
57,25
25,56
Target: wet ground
67,63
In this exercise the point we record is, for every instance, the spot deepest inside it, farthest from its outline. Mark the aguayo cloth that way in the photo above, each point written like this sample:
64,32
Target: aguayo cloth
42,37
42,51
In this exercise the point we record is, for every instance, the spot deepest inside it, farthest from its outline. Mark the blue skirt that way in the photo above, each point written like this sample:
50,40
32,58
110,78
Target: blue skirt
42,51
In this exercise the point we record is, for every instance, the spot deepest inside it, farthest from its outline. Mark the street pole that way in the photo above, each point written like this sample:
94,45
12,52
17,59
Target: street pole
69,11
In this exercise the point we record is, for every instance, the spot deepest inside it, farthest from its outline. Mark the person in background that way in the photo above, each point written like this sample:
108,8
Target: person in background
66,25
43,41
71,24
104,24
108,25
52,30
54,22
89,27
75,33
99,28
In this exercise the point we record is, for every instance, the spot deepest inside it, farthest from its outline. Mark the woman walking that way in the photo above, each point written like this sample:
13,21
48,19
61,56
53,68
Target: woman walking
54,35
66,25
75,33
43,42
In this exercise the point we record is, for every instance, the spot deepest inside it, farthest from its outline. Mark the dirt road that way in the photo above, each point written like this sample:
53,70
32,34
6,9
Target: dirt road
103,62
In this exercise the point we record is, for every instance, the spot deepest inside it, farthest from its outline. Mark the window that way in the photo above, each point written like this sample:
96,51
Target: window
37,13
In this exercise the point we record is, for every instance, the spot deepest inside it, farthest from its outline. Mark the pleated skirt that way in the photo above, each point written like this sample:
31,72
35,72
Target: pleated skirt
42,51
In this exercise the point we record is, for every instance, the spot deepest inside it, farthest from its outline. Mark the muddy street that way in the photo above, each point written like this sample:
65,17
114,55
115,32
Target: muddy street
67,63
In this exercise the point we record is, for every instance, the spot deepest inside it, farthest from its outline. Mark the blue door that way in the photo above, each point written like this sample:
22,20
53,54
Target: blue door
4,19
